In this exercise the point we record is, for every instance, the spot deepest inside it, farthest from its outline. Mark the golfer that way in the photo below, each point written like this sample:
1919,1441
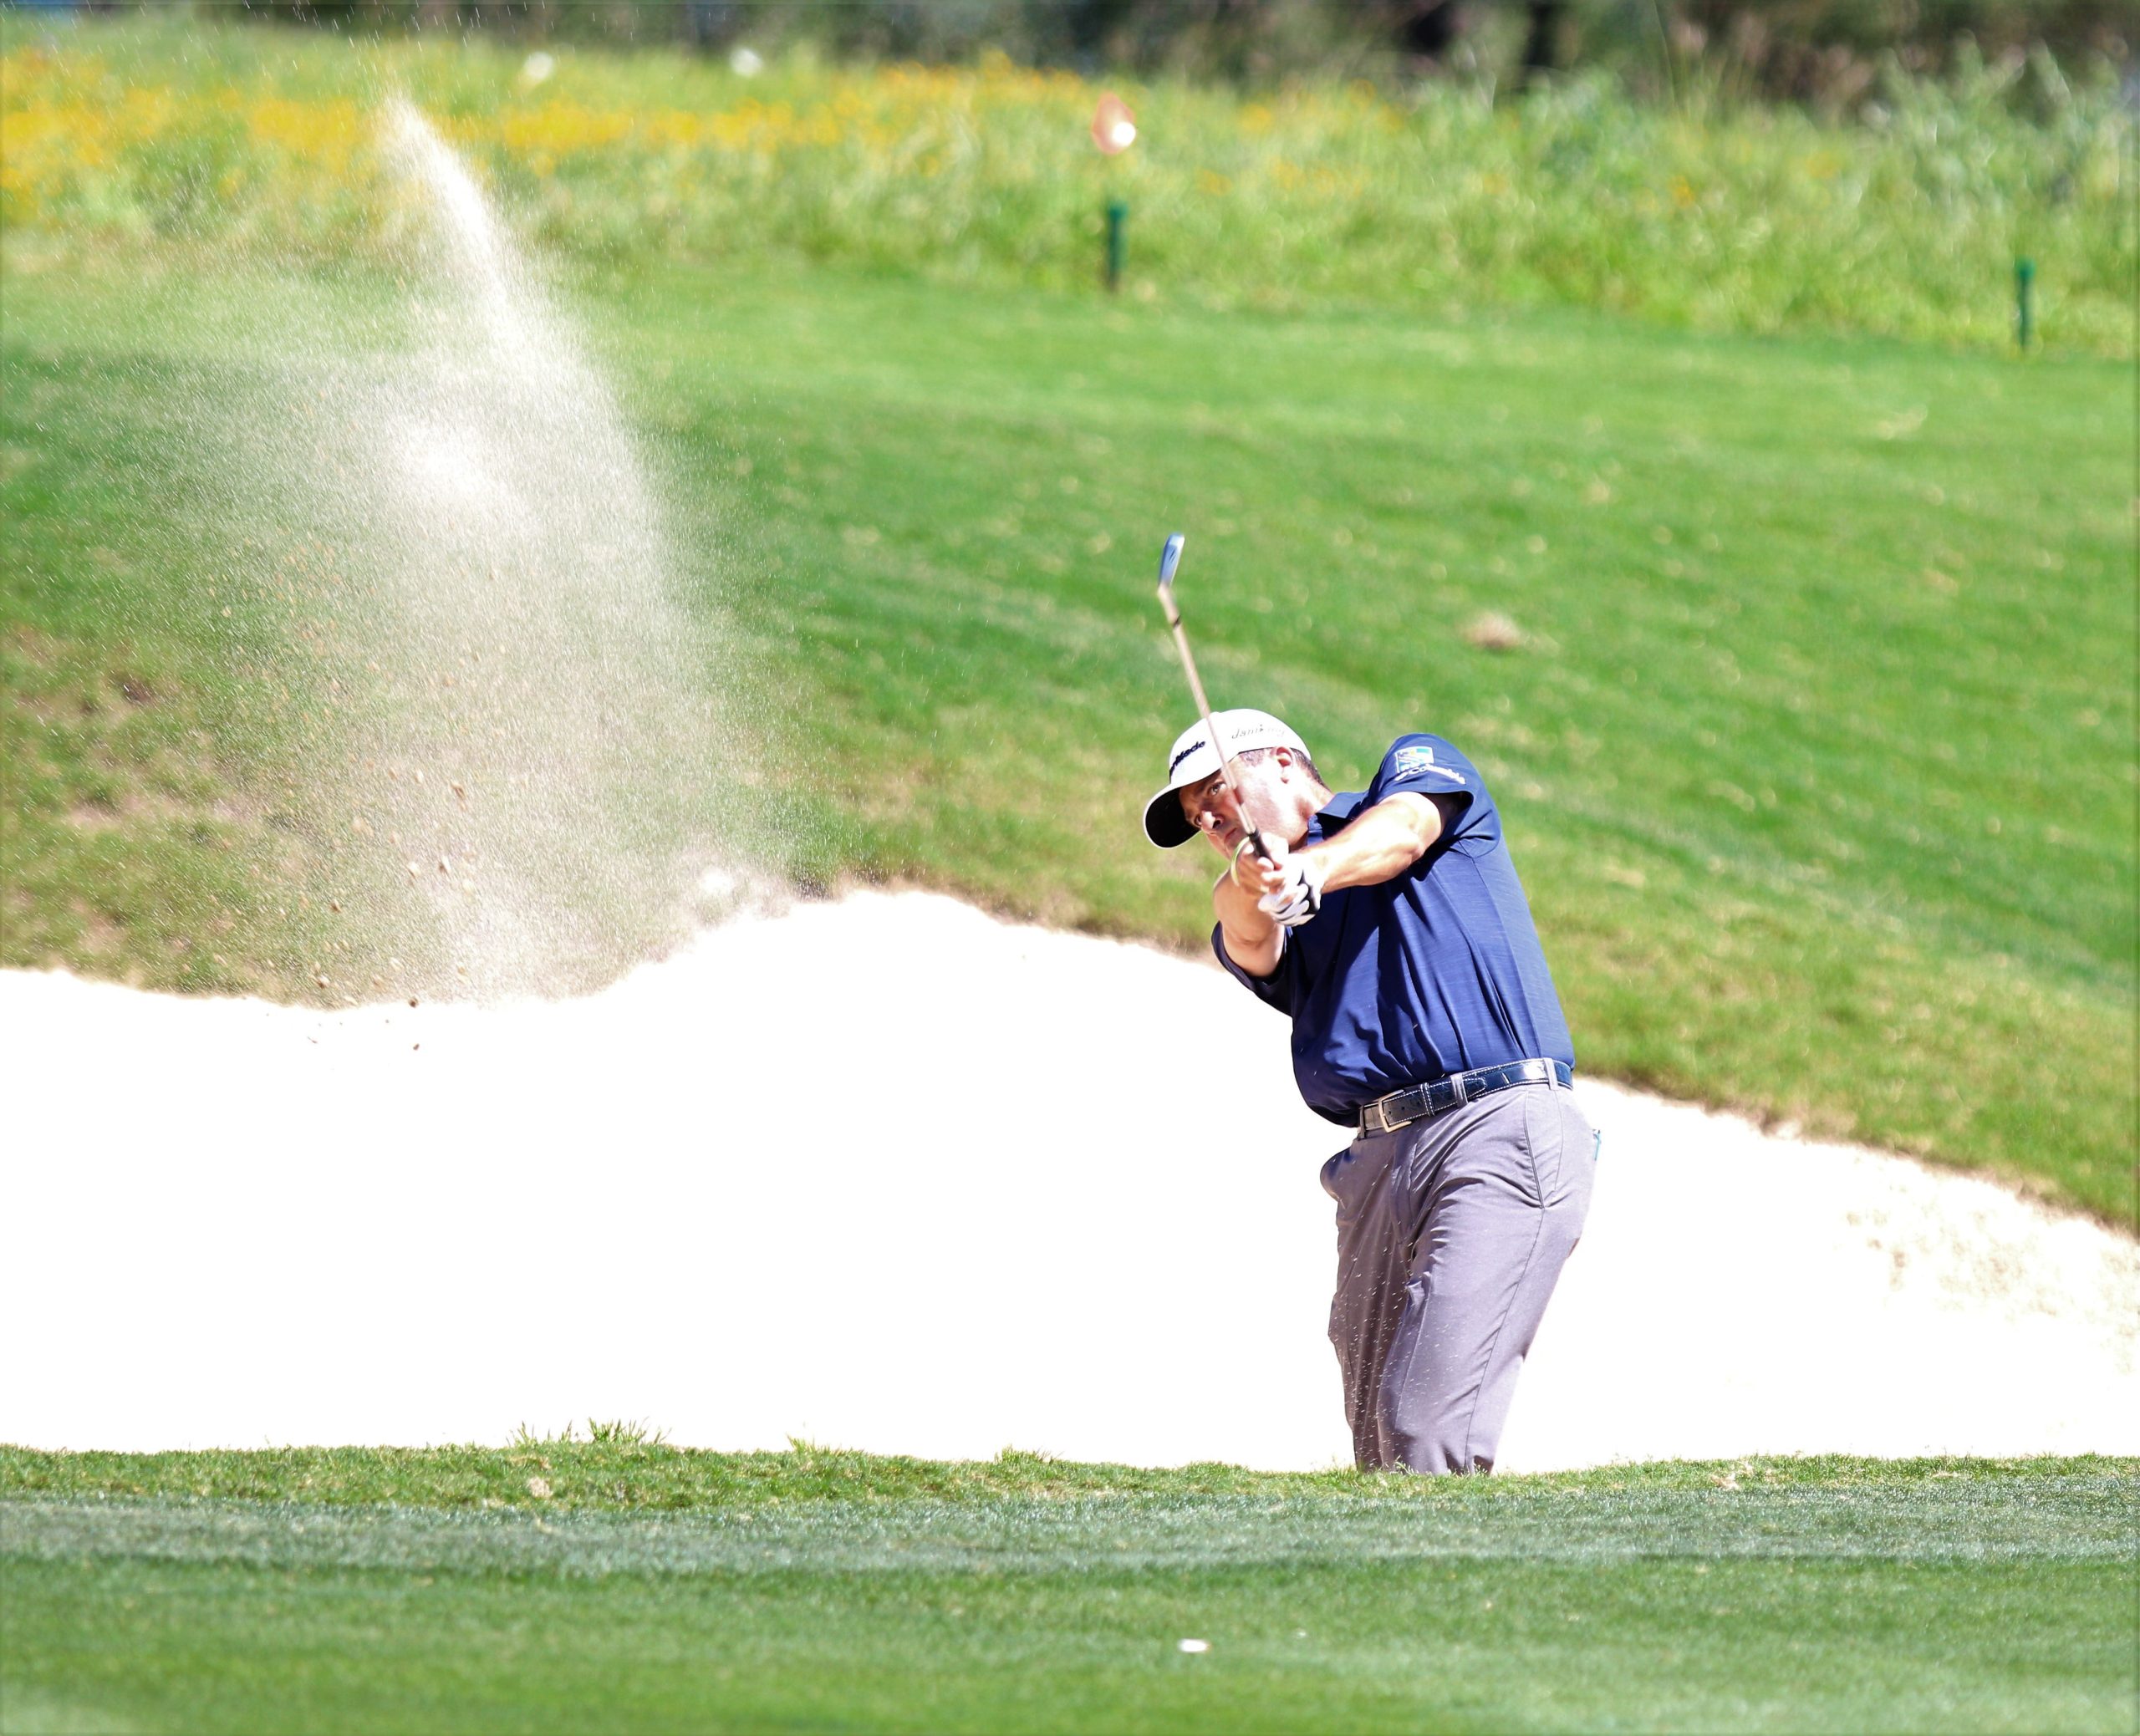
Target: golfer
1392,930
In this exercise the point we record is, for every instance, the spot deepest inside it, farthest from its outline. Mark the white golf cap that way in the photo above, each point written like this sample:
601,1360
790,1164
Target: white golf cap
1192,759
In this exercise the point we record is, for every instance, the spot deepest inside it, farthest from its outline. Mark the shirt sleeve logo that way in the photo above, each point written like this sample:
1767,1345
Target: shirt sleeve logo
1418,760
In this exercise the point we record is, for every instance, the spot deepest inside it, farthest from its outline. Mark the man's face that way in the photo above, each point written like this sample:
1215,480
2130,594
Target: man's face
1212,809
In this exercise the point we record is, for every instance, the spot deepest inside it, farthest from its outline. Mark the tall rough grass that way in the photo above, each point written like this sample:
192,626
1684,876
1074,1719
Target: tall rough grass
1906,224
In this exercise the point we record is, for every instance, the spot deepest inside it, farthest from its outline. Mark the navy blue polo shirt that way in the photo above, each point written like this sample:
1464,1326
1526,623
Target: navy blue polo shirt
1436,971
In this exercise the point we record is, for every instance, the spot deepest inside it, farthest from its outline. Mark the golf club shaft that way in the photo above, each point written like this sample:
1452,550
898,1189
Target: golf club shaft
1168,564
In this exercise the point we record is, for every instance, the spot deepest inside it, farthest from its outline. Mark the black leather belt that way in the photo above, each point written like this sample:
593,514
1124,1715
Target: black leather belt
1423,1103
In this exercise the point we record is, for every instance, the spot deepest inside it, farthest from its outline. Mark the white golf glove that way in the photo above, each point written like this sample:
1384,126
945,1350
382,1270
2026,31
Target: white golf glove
1300,897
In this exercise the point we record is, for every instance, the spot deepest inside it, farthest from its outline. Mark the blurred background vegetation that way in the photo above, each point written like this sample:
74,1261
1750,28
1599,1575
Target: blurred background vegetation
1831,53
1900,213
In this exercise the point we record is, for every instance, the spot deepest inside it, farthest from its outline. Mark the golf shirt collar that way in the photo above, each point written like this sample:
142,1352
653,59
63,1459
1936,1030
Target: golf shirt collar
1335,814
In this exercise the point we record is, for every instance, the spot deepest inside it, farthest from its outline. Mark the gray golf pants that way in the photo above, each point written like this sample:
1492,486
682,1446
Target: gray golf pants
1451,1234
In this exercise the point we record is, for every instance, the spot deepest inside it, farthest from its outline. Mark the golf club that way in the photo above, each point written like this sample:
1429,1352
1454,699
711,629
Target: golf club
1170,560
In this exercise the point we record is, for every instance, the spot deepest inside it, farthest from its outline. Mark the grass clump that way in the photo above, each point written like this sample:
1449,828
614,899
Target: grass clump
1755,220
622,1475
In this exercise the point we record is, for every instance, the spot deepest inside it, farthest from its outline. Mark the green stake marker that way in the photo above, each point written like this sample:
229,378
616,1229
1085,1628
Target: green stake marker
1114,130
2025,283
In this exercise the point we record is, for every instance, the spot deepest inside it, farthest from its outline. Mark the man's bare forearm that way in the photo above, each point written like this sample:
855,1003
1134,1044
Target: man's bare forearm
1252,940
1380,844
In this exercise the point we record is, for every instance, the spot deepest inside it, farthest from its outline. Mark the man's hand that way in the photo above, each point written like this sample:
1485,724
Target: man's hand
1300,896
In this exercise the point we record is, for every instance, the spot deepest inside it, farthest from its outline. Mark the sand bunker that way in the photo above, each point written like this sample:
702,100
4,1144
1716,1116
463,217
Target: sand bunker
886,1174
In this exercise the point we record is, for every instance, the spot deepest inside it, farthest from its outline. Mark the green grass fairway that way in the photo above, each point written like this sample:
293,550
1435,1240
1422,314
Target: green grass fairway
656,1589
1816,747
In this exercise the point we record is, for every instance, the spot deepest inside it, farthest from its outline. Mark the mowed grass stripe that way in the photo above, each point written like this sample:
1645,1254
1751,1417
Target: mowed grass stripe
1460,1646
655,1588
2070,1519
1768,1595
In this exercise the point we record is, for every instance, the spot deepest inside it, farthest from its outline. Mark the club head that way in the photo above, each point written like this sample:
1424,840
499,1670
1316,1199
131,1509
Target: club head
1170,558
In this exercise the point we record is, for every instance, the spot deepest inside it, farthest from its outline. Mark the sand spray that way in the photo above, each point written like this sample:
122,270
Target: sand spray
533,789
